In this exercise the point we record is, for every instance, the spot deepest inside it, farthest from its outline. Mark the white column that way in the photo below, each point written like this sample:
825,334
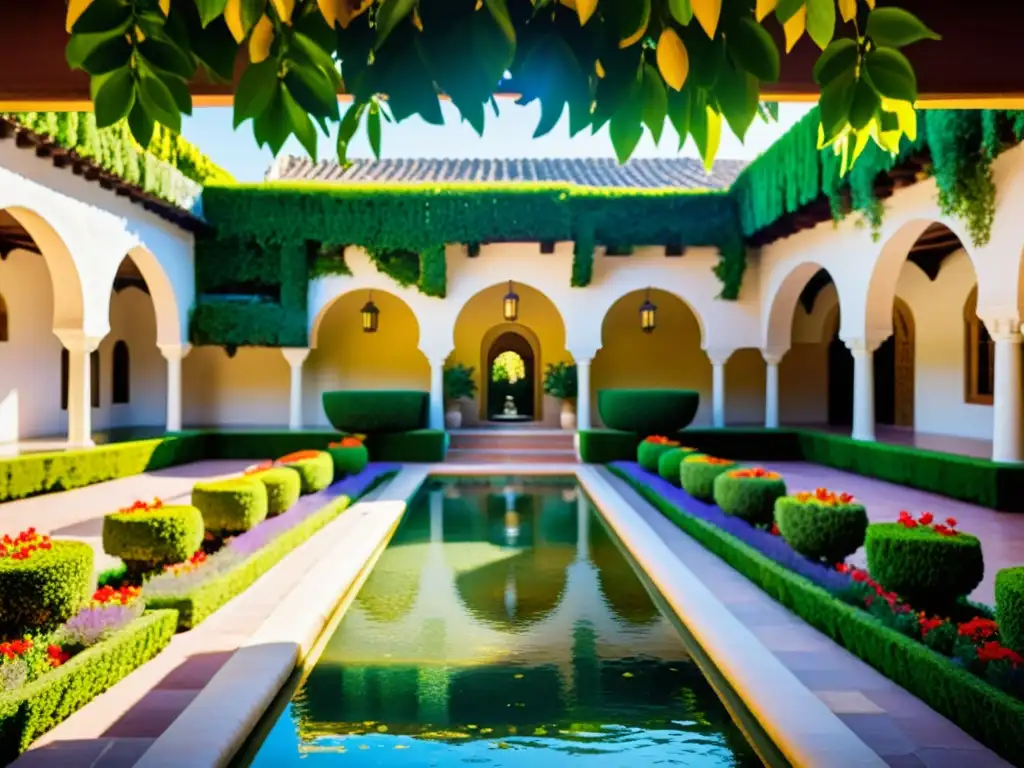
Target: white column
435,418
582,527
771,388
582,393
436,516
173,354
718,360
79,347
863,351
1006,395
295,356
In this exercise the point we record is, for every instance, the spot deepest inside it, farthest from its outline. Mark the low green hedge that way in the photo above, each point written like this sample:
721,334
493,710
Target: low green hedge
415,446
209,596
231,506
349,460
154,537
1010,607
648,453
697,477
828,532
925,568
284,486
992,717
46,589
29,712
749,498
603,446
670,461
648,411
315,473
366,411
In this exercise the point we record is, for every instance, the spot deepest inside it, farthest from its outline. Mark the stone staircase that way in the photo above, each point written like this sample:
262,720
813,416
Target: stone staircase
507,446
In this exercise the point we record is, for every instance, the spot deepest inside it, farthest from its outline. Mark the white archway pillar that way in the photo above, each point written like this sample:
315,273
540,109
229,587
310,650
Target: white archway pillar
80,347
772,358
1006,395
582,393
435,414
295,356
173,354
863,351
718,358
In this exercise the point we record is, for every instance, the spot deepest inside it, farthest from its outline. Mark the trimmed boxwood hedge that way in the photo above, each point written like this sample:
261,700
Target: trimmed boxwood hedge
821,531
697,478
365,411
284,486
991,716
603,446
415,446
231,506
154,537
315,473
30,711
46,589
648,454
1010,607
670,461
349,460
748,498
923,567
647,411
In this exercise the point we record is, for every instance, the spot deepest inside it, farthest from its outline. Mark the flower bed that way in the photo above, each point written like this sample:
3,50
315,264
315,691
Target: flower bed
197,589
876,630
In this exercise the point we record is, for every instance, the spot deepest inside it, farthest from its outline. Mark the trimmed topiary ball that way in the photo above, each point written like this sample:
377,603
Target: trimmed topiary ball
231,506
1010,607
749,494
650,451
154,536
43,582
647,411
350,456
316,471
283,484
697,474
670,461
929,566
822,525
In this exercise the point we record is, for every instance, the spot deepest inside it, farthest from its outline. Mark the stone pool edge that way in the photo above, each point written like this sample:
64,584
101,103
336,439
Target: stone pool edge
218,721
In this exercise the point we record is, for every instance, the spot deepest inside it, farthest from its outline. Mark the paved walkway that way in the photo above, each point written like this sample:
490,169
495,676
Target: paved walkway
898,726
1001,533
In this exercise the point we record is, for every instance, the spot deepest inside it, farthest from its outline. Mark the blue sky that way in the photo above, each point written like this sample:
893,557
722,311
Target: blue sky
508,135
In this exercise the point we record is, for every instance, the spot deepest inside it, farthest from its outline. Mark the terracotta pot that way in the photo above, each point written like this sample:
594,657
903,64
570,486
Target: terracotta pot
568,415
453,416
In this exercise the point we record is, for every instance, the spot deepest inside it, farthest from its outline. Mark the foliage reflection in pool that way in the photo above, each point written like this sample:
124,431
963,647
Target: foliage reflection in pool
502,626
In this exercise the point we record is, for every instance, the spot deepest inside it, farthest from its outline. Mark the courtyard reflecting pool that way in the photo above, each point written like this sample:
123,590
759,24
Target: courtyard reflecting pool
503,626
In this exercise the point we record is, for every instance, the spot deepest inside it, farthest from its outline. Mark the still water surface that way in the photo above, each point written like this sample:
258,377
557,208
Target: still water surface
502,626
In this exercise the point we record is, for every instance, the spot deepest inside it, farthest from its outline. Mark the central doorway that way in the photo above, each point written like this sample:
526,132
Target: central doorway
510,380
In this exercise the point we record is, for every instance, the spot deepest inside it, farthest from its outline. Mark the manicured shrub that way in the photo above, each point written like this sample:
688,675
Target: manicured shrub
350,456
647,411
1010,607
42,582
670,461
651,449
749,494
153,536
376,410
601,446
697,474
283,484
929,566
822,525
315,472
418,445
230,506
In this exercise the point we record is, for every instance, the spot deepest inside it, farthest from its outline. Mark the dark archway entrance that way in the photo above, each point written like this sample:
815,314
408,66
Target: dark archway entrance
520,385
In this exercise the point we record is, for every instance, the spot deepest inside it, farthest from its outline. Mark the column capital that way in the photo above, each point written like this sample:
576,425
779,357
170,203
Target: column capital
773,356
76,340
718,356
295,356
581,356
862,345
174,351
1004,328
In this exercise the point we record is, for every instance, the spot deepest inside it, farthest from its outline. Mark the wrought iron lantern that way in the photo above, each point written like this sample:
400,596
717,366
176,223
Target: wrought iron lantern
647,313
370,315
510,305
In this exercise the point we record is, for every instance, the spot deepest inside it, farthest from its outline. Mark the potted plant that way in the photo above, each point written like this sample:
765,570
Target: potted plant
560,382
458,384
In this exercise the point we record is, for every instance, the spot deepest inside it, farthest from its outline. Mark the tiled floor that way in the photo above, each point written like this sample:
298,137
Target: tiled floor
898,726
964,446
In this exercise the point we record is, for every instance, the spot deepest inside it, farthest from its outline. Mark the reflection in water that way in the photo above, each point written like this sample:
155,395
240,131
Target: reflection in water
502,626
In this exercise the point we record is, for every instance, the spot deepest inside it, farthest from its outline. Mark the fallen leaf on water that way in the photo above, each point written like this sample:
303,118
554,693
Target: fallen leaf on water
364,746
382,729
486,730
471,727
401,746
627,674
519,676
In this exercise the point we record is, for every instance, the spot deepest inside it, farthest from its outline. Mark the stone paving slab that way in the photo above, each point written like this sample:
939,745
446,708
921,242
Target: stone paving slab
898,726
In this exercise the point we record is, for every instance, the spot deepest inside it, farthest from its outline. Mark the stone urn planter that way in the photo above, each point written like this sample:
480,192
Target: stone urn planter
453,415
459,385
560,382
568,415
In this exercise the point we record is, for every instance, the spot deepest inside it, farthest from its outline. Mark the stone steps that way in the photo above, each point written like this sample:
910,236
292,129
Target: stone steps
507,447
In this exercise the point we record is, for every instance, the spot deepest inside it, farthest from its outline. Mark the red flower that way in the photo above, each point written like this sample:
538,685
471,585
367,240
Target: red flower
859,576
951,522
993,651
298,456
109,596
57,655
978,629
775,530
755,472
926,518
824,496
350,441
928,624
141,506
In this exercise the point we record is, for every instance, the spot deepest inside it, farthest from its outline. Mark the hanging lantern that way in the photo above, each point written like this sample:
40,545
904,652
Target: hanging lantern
510,306
647,312
370,315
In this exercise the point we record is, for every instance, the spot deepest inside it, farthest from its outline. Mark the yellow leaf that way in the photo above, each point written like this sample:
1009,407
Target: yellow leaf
284,9
599,69
165,6
871,4
673,60
261,40
905,114
233,18
585,9
328,9
479,5
707,13
416,20
639,32
764,7
139,34
75,9
795,28
848,9
714,138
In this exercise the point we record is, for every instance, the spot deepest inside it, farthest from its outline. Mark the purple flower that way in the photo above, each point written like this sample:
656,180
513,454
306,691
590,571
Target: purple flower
95,623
